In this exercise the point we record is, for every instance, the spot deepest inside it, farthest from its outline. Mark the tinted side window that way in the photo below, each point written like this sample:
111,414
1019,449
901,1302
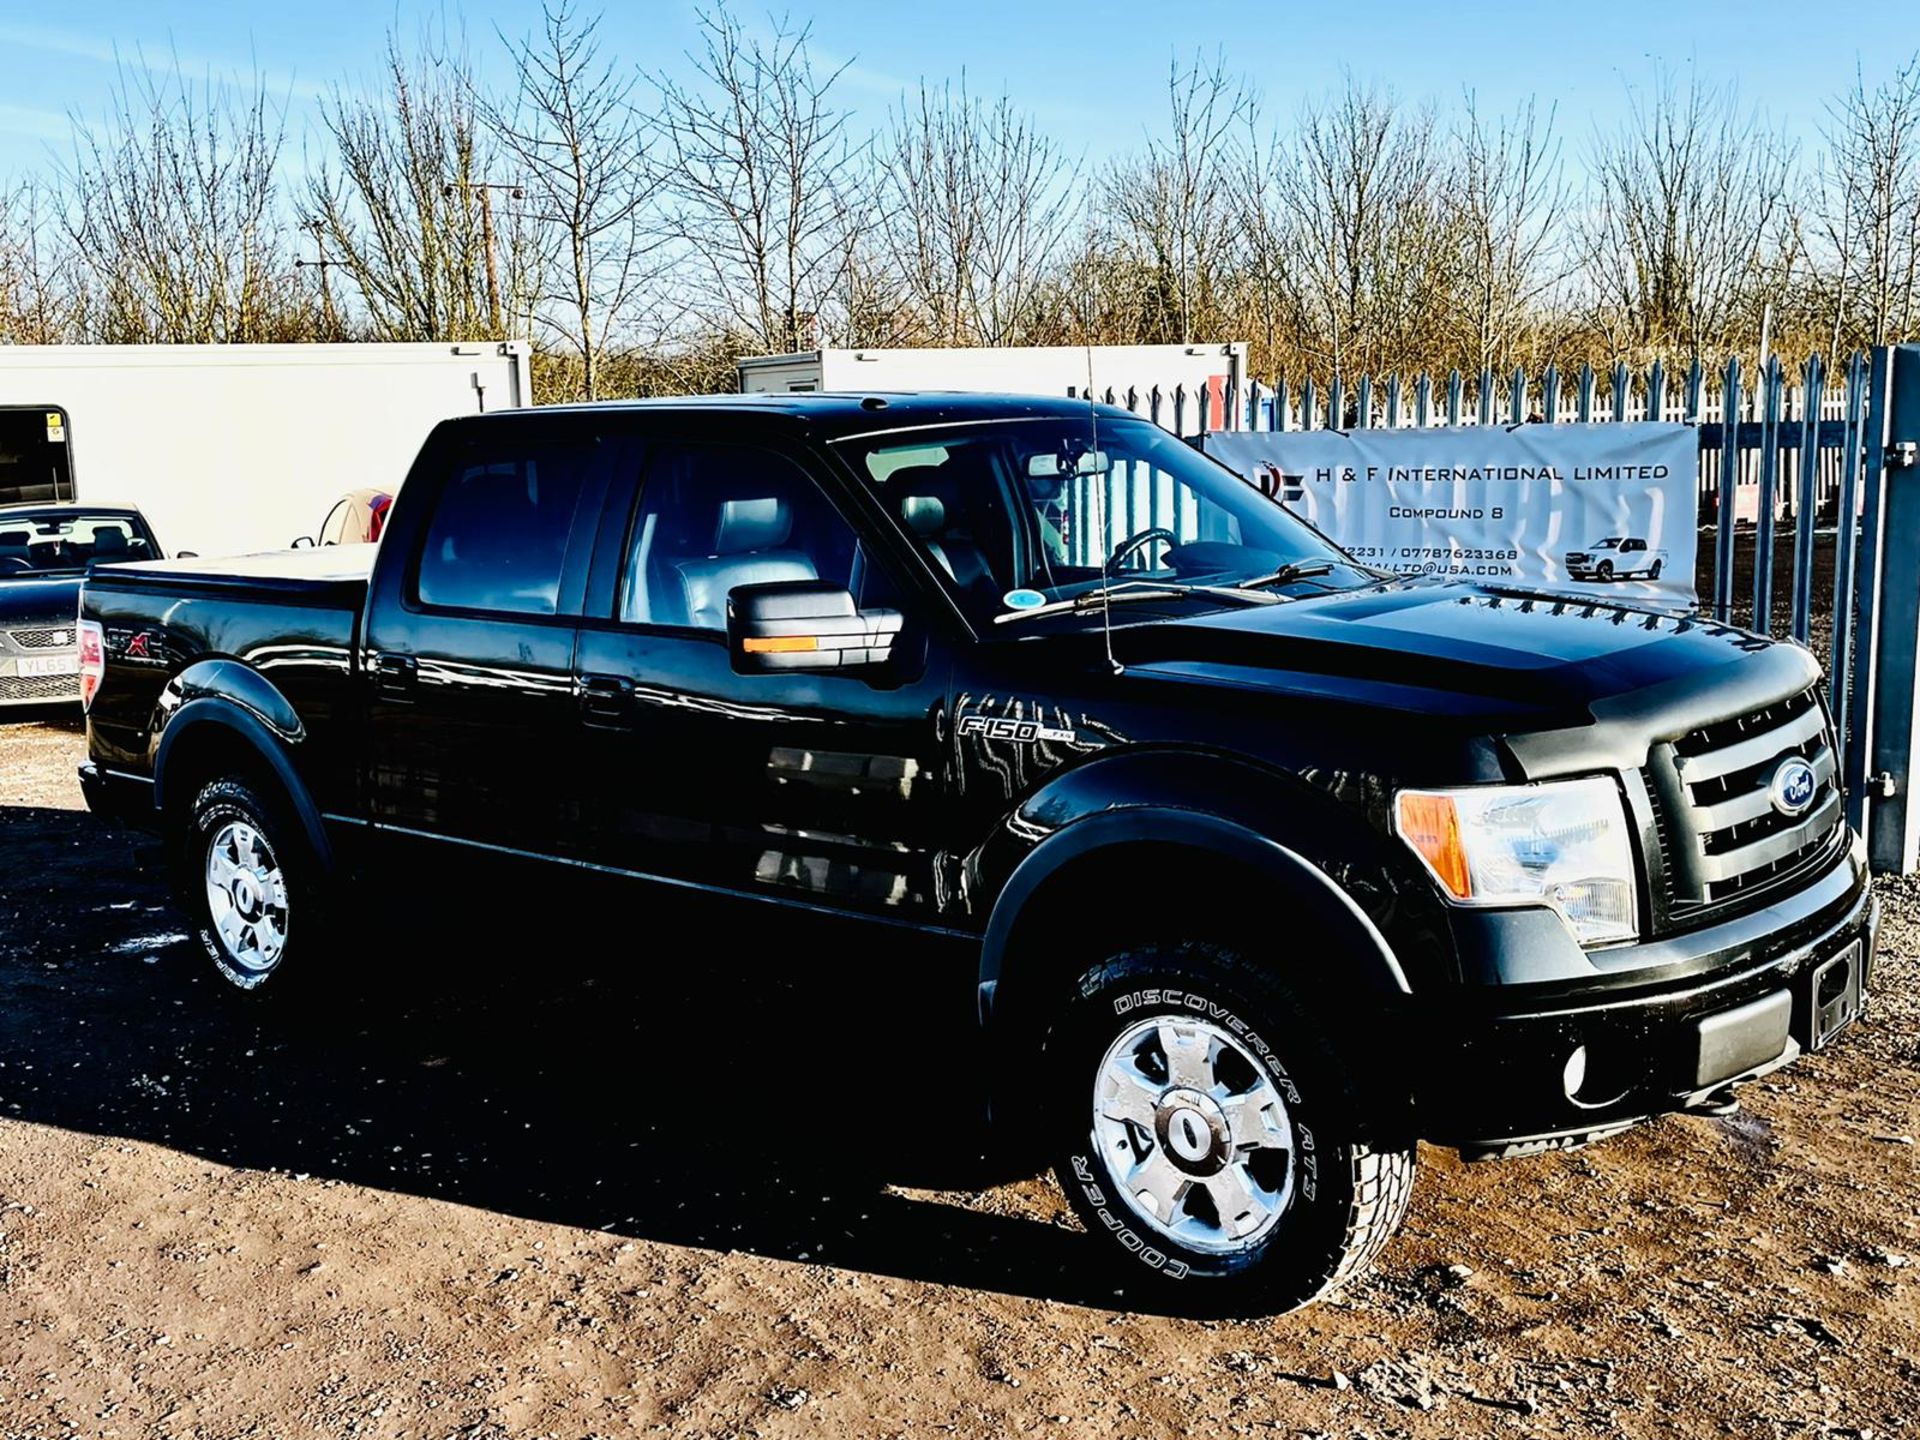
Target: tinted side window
498,539
712,517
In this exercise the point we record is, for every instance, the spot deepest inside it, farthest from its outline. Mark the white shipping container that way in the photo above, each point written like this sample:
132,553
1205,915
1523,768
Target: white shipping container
234,448
1015,370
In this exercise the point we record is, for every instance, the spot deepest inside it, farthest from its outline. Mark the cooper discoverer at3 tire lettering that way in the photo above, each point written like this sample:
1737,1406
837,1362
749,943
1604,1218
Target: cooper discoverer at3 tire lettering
1227,1148
250,883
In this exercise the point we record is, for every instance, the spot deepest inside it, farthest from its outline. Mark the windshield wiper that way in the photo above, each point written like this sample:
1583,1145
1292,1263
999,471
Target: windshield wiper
1103,595
1246,592
1287,574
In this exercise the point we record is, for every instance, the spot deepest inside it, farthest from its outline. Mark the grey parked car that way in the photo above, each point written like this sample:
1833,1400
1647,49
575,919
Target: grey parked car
45,552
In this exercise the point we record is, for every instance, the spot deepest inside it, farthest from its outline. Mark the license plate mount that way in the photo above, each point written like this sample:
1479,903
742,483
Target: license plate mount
1833,996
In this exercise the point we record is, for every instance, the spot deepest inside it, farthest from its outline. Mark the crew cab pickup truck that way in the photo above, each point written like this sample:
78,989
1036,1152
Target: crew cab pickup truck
1274,864
1616,557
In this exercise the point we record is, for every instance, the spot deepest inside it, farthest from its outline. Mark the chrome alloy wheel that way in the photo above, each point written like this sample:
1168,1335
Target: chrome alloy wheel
247,897
1195,1133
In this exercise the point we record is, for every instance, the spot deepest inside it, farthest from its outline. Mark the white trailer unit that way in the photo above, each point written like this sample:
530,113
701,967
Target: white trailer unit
1017,370
231,448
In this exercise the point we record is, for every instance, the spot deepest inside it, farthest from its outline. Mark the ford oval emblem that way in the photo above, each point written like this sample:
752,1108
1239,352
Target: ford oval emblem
1791,790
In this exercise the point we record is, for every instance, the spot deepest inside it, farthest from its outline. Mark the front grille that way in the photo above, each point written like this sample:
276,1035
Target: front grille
39,687
59,637
1728,838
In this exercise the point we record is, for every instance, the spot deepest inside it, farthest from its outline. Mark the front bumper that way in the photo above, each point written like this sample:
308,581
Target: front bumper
1520,1068
59,688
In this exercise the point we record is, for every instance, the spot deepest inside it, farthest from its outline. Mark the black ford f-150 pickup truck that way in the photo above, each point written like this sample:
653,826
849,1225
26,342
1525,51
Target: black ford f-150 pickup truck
1274,863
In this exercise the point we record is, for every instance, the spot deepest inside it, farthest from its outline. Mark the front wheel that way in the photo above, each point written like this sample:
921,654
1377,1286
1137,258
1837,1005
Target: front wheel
1210,1134
251,886
1654,572
1605,572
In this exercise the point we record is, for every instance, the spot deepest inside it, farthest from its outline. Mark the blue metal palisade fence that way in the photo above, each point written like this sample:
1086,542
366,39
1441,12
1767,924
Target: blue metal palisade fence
1798,452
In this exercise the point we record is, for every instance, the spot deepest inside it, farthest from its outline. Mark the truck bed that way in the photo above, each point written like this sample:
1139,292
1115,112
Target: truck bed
331,576
290,616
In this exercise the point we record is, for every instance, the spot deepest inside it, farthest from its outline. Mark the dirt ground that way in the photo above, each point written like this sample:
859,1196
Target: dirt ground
588,1168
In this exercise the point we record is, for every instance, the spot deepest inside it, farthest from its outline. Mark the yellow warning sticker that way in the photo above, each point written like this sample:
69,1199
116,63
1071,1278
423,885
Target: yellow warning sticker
56,427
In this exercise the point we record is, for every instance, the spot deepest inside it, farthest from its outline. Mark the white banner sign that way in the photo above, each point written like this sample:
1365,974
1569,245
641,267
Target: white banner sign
1594,508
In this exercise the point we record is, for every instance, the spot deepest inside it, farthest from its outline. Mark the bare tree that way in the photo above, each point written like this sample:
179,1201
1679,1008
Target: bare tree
1870,208
1687,196
175,214
1507,197
979,202
395,207
573,131
1099,294
1172,206
40,300
766,177
1370,250
1265,309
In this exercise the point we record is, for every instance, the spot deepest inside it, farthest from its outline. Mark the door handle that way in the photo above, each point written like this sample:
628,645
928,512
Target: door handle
394,676
606,700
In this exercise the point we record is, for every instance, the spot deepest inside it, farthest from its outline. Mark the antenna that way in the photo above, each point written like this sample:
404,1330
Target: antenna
1100,489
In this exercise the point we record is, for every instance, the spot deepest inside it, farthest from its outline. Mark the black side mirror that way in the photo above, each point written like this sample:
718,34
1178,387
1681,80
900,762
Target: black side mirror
805,625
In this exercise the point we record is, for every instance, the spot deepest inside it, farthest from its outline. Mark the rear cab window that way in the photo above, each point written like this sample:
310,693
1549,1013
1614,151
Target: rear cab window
501,529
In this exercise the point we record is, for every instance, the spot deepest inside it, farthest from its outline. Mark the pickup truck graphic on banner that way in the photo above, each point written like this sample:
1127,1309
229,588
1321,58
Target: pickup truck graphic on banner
1618,557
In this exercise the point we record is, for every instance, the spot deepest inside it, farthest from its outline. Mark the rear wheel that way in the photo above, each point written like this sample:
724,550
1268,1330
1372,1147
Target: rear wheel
250,883
1210,1135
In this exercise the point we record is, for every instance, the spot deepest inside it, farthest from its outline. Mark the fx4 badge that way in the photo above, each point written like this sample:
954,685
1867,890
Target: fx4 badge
141,647
1024,732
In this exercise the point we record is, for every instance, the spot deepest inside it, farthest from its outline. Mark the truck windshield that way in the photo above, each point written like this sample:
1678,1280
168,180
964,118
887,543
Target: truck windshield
67,541
1017,515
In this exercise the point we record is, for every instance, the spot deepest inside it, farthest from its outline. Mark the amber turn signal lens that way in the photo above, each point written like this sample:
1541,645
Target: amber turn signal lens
1431,824
779,644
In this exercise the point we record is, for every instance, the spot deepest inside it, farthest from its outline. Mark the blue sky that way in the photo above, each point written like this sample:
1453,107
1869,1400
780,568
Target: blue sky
1092,74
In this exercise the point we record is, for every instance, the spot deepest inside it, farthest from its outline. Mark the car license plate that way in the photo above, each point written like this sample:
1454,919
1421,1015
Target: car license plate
47,665
1835,1002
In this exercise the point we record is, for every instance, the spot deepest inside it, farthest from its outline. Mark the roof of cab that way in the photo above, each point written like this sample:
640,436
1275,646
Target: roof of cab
834,414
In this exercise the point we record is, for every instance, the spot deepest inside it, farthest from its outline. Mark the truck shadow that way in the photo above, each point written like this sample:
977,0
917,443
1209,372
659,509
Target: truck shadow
597,1057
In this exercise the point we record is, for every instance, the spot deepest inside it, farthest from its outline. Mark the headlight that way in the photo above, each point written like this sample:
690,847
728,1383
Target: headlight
1564,845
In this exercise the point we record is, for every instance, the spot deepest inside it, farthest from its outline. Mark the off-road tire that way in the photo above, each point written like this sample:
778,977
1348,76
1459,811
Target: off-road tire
229,799
1355,1162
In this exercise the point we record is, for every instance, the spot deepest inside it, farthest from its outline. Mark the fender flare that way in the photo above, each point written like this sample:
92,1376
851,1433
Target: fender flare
1379,971
205,702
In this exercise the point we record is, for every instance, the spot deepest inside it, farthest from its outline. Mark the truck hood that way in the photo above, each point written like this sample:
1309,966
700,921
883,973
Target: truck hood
1504,659
39,600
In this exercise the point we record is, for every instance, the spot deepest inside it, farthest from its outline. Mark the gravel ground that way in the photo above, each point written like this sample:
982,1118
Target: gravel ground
556,1181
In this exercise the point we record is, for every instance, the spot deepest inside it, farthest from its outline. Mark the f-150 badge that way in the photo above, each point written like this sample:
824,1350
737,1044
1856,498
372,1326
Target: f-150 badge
1000,727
